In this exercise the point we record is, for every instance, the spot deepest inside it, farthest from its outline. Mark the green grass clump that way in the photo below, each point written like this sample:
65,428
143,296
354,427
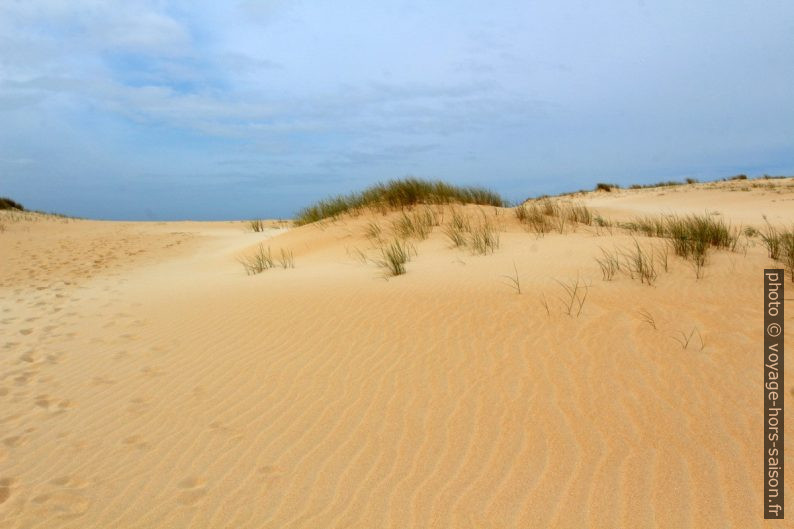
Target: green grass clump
484,239
263,260
397,194
256,225
7,203
601,186
394,256
373,231
543,215
458,228
691,237
533,216
780,246
418,225
259,262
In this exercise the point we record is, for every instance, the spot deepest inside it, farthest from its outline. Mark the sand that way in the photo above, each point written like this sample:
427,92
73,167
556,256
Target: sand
146,381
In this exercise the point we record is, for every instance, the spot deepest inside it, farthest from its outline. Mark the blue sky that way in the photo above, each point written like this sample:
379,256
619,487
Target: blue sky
220,110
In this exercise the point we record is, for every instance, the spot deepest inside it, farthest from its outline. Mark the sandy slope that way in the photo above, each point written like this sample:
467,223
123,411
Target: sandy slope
145,381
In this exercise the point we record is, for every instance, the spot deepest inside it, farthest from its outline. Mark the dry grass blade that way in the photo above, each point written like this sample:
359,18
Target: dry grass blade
287,259
574,297
609,263
648,318
513,281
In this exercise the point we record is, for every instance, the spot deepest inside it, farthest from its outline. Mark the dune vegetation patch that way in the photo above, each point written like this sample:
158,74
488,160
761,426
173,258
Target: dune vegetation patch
397,194
7,203
544,215
780,246
263,259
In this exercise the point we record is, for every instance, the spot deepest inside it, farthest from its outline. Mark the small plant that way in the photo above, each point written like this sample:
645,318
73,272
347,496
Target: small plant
780,246
419,225
641,264
358,254
692,180
457,229
394,256
751,232
609,263
484,239
533,216
663,254
574,296
259,262
287,259
256,225
545,303
514,281
373,231
685,339
787,252
648,318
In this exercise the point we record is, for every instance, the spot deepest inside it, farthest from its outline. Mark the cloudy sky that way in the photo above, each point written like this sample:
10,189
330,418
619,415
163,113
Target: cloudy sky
213,110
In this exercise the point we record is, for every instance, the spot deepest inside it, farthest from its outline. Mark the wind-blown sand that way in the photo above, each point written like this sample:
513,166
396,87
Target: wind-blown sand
146,381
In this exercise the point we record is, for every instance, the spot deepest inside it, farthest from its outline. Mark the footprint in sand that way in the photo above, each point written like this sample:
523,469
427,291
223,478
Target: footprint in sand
49,404
28,357
270,474
192,490
61,504
136,441
26,332
70,482
25,377
6,484
14,441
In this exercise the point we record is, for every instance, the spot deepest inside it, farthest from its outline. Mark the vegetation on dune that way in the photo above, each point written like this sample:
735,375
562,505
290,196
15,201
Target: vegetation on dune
691,237
263,260
602,186
542,215
780,245
7,203
397,194
394,256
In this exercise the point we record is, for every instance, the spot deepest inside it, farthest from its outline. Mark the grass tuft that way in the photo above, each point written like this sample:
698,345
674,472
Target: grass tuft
458,228
259,262
256,225
394,256
484,239
287,259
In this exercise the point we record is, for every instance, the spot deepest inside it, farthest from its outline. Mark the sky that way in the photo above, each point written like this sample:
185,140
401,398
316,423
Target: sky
163,110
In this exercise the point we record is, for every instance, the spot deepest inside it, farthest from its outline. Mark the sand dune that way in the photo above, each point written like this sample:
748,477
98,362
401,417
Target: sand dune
146,381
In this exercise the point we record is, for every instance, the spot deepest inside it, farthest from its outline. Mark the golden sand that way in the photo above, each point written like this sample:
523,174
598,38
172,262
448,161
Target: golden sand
146,381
